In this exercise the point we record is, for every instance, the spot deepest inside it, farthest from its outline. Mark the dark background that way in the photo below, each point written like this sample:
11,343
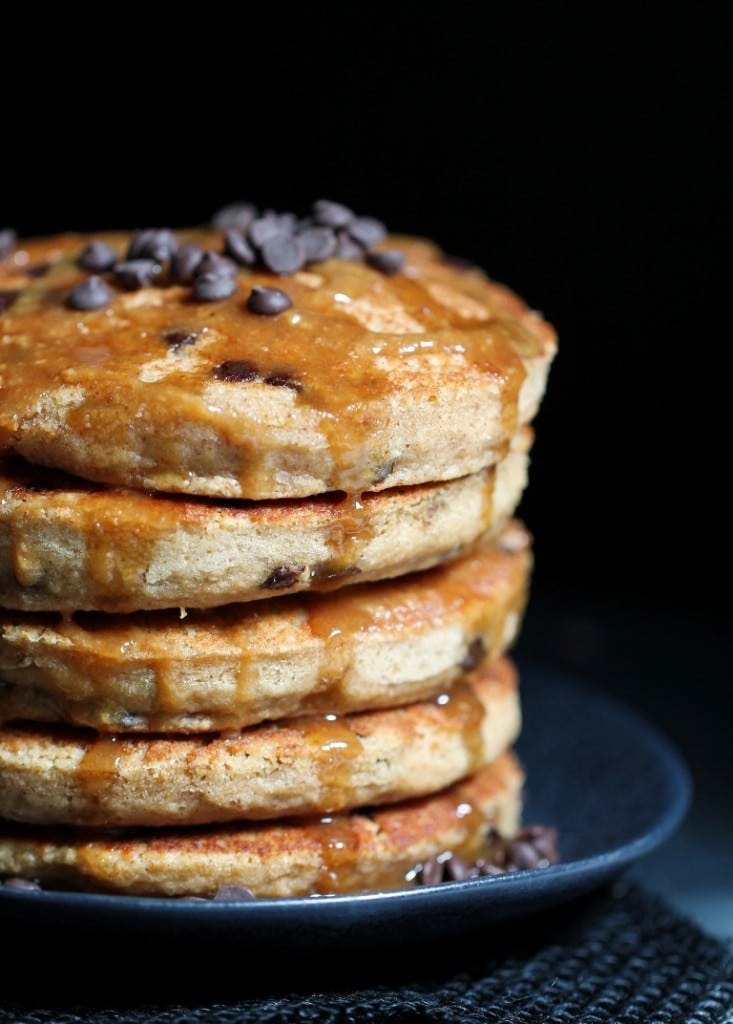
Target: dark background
583,161
581,157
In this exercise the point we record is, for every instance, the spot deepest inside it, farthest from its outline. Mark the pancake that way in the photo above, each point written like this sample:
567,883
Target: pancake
312,765
355,852
366,381
67,547
372,645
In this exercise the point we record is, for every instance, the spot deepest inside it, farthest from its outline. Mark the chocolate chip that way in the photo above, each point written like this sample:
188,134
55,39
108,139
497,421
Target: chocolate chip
185,262
137,273
234,892
283,576
7,298
8,239
268,301
347,248
368,231
214,285
431,872
26,884
458,869
234,215
92,293
535,846
37,270
282,253
474,655
330,214
523,854
386,261
283,380
216,263
236,371
319,243
270,223
240,250
97,256
179,338
156,244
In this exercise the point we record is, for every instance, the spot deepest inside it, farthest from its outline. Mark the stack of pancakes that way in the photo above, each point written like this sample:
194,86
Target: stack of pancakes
260,571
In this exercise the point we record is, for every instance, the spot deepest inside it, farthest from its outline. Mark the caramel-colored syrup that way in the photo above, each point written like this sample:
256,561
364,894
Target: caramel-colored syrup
344,373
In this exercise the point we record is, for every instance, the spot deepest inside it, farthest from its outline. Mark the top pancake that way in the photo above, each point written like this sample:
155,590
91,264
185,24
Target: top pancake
369,380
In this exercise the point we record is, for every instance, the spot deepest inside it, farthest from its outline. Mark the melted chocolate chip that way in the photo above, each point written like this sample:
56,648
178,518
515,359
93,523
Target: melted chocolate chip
236,371
93,293
387,261
7,298
283,380
474,655
179,338
283,576
97,256
8,239
268,301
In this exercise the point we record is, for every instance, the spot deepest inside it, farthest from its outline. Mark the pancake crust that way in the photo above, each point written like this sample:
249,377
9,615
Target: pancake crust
66,547
313,765
355,852
374,645
366,382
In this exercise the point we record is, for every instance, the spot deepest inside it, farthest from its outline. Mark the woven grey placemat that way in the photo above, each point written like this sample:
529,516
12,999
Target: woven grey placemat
622,956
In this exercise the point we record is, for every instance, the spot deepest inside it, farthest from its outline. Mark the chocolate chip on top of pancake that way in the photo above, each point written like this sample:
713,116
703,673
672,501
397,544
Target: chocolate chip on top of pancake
387,359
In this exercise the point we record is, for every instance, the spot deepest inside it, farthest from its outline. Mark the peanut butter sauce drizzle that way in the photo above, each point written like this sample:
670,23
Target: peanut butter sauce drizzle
320,343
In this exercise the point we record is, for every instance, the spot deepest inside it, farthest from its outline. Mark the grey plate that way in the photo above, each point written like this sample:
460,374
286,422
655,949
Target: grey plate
610,782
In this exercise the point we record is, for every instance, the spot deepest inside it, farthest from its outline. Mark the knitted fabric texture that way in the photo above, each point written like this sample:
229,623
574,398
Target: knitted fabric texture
622,955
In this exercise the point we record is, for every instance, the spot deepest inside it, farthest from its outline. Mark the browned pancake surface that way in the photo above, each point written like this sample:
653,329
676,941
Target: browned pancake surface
66,546
365,646
366,382
313,765
355,852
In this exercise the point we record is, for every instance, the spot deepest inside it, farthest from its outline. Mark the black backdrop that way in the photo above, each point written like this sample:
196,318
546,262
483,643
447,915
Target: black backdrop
581,157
